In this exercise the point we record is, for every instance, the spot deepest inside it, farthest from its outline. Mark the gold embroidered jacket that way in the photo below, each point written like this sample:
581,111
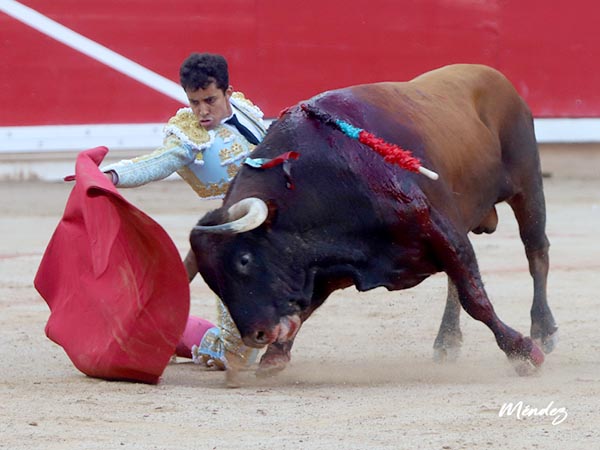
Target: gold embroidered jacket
206,160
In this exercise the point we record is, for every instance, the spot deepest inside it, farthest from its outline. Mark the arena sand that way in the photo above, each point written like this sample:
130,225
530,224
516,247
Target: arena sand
361,375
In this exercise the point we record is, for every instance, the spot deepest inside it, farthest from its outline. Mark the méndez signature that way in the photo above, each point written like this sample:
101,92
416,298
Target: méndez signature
522,410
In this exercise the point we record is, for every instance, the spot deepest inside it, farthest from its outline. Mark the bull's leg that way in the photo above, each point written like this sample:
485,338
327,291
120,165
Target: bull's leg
449,338
456,252
476,303
278,354
275,359
529,209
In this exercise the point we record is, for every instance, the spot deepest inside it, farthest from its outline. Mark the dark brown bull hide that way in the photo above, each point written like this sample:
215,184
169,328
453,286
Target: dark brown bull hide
340,215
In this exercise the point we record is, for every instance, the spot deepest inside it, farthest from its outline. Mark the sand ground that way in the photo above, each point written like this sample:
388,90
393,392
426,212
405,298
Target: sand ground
361,374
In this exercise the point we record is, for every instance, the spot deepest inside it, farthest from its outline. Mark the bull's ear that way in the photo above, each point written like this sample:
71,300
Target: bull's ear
272,215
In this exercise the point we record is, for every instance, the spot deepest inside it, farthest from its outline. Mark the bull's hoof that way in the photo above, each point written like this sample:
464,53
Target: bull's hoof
446,348
529,364
524,367
270,368
547,343
443,355
545,334
274,360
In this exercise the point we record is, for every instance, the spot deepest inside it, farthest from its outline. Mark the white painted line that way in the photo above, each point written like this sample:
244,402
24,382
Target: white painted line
555,130
59,138
92,49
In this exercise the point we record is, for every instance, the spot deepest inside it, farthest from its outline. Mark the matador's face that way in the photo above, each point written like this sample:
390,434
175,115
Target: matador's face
210,105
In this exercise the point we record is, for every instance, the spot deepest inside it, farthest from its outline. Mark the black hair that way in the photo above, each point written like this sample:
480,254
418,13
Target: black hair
201,69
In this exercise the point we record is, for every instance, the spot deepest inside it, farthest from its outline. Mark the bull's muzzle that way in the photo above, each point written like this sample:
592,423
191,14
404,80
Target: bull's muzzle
285,330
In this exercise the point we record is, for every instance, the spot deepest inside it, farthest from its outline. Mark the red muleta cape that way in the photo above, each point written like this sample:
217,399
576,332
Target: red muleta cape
114,281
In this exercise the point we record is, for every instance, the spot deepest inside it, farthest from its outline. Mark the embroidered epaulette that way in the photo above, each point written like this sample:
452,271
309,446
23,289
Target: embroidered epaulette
246,105
185,126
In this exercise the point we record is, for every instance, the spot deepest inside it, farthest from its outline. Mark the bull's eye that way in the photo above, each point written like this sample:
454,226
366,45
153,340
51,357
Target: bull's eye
243,262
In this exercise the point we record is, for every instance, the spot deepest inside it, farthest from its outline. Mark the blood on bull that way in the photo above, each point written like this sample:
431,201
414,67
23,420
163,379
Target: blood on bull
342,212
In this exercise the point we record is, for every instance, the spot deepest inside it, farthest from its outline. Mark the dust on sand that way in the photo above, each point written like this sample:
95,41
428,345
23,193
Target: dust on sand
361,374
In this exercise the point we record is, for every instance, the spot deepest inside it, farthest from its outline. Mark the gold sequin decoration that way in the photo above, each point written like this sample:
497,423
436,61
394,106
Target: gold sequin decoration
229,332
241,97
203,190
188,124
232,170
224,133
233,153
237,149
226,153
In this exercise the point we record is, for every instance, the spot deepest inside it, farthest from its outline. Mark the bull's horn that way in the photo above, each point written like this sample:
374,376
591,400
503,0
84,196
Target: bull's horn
245,215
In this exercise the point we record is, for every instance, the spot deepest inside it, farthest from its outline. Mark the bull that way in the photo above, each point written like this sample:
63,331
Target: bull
286,237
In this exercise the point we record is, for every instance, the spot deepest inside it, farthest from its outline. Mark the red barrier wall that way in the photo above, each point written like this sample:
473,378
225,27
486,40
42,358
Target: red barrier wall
282,52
